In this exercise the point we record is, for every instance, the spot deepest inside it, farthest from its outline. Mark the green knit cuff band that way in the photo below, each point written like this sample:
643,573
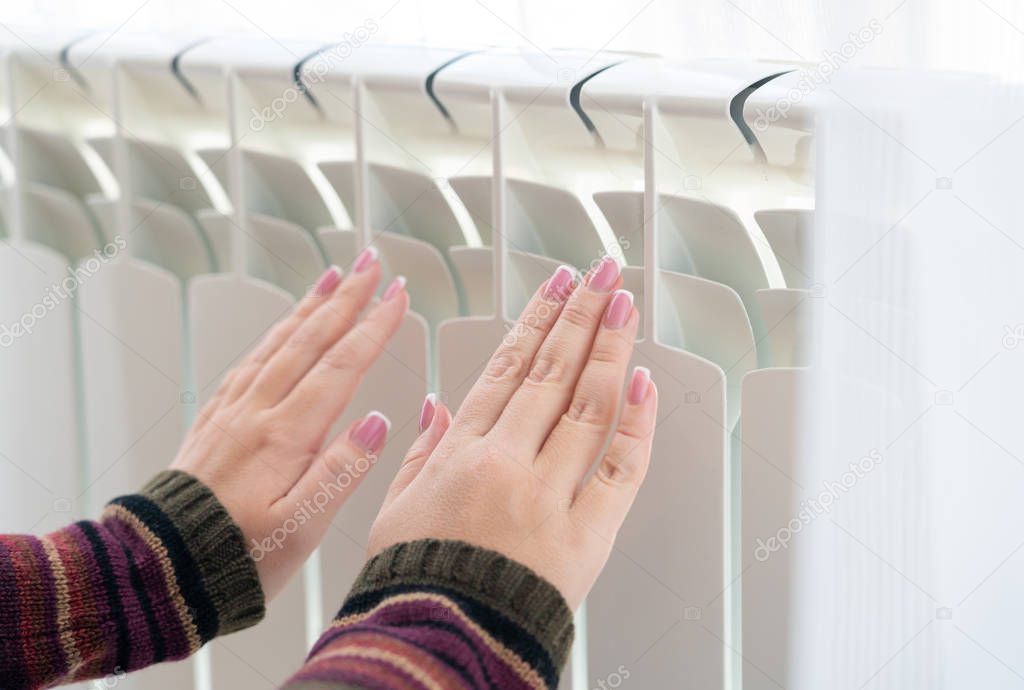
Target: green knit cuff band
492,579
216,545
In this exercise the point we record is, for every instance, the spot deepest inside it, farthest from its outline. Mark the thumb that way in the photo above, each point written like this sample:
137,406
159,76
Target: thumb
339,469
318,494
435,418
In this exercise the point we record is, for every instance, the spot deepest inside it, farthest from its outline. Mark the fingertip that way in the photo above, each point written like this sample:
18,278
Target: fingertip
642,397
434,414
402,298
639,386
396,286
366,260
428,411
365,272
396,294
651,403
620,310
329,280
443,416
370,432
560,285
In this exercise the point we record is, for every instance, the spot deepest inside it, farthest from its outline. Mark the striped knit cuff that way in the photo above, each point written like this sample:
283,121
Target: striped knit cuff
478,576
217,577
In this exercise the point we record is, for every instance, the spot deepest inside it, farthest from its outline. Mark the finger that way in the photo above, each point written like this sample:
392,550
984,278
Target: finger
206,411
602,504
332,320
583,429
320,397
510,362
339,469
242,376
544,393
434,422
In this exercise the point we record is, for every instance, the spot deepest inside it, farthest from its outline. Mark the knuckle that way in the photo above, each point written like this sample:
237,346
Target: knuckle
615,471
336,459
506,365
300,339
607,351
341,357
416,455
263,352
489,453
276,431
549,368
577,314
342,306
246,372
242,429
228,381
633,430
470,417
208,410
275,335
537,316
589,408
306,306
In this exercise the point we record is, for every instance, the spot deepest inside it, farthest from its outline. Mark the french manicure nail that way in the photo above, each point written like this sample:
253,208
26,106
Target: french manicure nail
326,283
428,410
370,433
394,288
364,260
617,314
605,275
638,385
560,284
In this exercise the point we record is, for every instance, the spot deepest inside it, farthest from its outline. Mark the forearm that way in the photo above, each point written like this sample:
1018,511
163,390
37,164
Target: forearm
434,614
160,574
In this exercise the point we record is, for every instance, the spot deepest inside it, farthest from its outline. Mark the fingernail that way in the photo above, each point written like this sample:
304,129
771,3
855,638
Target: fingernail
560,284
394,288
370,433
604,276
328,281
638,385
364,260
428,410
619,309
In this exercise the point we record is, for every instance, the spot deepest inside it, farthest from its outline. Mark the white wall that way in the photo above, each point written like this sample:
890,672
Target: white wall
970,35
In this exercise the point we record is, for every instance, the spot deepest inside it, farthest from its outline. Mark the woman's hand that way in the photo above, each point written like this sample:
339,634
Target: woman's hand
258,443
510,472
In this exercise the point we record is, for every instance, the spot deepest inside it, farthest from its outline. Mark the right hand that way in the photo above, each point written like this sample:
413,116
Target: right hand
510,472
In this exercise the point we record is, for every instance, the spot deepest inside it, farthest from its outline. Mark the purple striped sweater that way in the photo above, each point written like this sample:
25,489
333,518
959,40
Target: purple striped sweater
166,570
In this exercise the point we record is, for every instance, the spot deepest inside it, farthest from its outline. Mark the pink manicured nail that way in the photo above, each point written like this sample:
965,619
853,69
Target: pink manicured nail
638,385
618,311
365,258
604,276
560,284
328,281
394,288
428,410
370,433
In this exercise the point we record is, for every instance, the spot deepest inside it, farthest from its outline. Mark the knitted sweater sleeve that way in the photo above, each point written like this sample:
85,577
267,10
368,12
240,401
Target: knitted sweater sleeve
160,574
442,614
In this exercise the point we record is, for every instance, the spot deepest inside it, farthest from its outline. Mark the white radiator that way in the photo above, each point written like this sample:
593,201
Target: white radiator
218,178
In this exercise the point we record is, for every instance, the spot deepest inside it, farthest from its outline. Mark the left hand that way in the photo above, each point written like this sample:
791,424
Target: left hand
258,443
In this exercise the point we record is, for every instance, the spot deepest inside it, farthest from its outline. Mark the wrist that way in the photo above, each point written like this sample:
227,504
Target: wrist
202,550
518,608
